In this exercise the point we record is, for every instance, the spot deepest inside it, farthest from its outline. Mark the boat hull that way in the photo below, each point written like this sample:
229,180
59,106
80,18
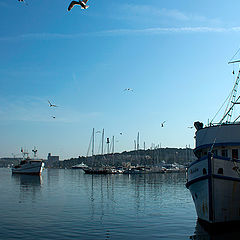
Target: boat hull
30,168
214,183
95,171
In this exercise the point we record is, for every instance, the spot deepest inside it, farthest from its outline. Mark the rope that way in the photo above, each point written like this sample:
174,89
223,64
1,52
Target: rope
234,55
89,145
236,168
221,107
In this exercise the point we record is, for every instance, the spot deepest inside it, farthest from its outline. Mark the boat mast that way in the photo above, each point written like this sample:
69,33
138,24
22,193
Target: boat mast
34,153
102,139
93,143
232,100
138,141
112,144
24,153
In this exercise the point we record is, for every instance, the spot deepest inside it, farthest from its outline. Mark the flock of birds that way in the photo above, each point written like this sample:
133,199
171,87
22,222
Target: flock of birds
82,3
127,89
52,106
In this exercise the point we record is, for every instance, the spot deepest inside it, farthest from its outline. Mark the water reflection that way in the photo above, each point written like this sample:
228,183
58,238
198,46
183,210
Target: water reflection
222,232
27,180
29,185
143,193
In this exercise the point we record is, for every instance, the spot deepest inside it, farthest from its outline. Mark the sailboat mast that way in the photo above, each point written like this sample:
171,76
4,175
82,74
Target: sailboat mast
138,141
93,143
112,144
102,140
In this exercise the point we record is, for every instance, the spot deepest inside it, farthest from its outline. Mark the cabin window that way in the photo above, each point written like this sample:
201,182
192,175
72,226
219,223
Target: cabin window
204,171
225,153
234,153
220,171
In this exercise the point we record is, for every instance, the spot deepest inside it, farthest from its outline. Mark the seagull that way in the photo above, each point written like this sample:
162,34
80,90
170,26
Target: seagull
52,105
162,123
81,3
23,1
128,89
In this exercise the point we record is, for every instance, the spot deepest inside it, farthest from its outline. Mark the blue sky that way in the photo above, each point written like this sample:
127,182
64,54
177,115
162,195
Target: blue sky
173,54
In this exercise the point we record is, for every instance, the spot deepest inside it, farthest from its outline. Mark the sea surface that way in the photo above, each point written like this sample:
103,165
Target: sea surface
69,204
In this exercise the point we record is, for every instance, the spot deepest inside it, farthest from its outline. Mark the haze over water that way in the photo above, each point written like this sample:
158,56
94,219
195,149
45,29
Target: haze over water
68,204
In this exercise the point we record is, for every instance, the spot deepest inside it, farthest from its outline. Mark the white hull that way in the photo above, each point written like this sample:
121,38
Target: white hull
31,167
214,183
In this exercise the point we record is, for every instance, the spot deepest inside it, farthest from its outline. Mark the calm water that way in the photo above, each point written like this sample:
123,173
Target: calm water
68,204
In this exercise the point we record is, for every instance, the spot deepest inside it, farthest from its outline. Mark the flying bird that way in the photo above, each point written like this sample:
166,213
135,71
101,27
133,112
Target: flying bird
53,117
81,3
128,89
52,105
162,123
23,1
190,127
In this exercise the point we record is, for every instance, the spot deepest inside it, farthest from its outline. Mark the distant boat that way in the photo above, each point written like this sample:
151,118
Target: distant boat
80,166
137,170
28,166
95,169
171,168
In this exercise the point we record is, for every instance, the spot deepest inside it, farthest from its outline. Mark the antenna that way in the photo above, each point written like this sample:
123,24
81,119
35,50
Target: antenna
34,152
24,153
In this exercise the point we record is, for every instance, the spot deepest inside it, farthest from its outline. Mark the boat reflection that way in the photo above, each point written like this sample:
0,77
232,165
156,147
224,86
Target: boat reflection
28,180
30,187
220,232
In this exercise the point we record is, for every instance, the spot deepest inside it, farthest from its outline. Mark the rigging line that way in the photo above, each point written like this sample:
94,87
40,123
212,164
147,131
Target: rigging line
89,145
234,55
230,109
232,97
221,107
215,139
236,119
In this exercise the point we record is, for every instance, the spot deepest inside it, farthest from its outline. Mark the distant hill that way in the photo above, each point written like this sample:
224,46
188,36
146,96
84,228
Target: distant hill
148,157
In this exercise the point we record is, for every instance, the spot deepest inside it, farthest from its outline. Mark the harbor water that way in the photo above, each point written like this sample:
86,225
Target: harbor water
69,204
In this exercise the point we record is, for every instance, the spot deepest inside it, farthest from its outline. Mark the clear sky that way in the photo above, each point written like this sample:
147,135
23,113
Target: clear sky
172,53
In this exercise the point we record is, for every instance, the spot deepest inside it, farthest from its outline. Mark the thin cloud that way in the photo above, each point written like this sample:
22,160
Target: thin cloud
41,36
147,13
146,10
116,32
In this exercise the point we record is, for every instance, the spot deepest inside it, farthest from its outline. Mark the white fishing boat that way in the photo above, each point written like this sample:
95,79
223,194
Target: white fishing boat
214,178
29,166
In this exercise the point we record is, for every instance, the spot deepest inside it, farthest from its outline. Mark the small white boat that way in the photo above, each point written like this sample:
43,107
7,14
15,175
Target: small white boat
29,166
79,166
